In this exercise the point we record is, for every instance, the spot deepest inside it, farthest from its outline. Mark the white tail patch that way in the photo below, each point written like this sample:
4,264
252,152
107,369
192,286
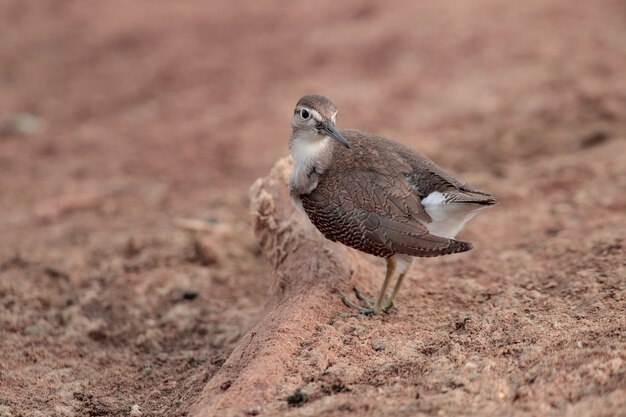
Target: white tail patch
447,218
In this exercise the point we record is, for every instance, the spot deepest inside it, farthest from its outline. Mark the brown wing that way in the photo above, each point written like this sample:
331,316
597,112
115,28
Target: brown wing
422,174
426,177
376,213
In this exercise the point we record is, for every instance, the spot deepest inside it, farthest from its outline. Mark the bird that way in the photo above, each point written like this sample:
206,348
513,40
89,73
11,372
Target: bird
375,195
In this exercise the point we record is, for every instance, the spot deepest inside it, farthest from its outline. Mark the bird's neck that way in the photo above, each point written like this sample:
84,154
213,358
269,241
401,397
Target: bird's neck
310,149
312,154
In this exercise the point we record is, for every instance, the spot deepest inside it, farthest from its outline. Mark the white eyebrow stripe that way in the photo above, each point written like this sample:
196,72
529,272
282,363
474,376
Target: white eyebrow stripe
316,115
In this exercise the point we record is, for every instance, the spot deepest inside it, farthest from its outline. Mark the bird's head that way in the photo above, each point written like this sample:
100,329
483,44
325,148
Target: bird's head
314,118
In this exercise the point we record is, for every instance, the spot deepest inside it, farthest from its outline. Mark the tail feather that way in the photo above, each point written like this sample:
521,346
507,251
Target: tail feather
422,250
471,198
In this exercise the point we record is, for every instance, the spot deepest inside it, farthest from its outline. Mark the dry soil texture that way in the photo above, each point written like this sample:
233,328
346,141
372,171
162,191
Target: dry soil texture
152,112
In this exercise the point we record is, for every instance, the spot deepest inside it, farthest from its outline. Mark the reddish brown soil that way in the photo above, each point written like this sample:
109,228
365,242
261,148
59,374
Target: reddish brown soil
154,111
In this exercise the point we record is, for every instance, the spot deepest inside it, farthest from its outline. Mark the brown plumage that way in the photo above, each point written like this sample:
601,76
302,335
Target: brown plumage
373,194
369,198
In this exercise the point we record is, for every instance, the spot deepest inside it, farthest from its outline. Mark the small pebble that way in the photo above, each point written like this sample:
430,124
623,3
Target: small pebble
378,345
297,399
5,412
33,329
135,411
21,124
190,295
579,344
253,411
206,251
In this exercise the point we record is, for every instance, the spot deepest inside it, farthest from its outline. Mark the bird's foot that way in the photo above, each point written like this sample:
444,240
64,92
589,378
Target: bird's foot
367,301
388,304
369,307
367,311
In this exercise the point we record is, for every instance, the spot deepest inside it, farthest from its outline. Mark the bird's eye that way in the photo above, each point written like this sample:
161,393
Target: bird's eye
305,113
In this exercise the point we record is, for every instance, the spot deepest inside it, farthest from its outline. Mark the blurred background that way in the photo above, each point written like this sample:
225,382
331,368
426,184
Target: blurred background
130,133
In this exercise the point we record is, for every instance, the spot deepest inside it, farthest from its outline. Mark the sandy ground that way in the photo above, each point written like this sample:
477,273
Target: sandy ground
150,113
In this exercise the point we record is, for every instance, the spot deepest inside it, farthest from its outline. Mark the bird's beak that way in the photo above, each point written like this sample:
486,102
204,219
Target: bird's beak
330,130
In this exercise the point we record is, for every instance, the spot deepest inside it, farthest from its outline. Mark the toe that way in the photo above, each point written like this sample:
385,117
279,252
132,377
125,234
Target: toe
363,310
368,302
388,305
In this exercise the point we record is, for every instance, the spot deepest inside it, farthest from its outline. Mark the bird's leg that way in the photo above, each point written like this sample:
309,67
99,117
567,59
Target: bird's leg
391,269
378,305
405,265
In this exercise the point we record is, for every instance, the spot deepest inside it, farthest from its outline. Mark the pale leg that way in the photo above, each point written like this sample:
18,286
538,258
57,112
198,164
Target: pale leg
378,306
404,265
391,269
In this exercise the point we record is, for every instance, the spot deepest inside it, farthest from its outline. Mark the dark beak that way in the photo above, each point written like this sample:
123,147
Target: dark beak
329,129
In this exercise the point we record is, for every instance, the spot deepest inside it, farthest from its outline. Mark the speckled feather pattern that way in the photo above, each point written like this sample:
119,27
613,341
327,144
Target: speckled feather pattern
370,198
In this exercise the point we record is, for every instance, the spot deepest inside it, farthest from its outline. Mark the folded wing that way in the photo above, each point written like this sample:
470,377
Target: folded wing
376,213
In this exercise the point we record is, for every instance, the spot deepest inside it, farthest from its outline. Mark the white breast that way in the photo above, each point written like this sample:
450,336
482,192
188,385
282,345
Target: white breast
447,218
306,148
306,151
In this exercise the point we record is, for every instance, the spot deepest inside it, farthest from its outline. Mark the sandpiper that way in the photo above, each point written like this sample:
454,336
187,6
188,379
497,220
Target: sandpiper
375,195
